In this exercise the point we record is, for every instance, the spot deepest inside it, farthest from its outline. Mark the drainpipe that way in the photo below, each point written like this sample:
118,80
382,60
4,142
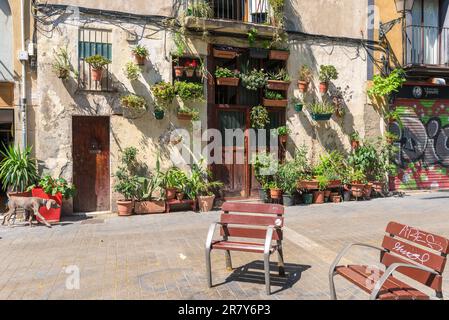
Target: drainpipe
23,97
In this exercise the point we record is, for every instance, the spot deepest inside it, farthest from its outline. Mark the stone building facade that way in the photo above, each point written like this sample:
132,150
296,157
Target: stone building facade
69,116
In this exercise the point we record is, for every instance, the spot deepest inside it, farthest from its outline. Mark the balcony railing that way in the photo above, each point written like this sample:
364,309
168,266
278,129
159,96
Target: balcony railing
255,11
426,46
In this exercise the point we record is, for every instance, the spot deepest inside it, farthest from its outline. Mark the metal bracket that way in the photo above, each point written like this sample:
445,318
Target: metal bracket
386,27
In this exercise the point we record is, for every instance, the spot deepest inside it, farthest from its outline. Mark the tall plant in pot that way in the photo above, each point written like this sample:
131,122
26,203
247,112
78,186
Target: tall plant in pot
200,186
18,170
264,172
327,73
127,182
304,78
97,63
141,54
173,181
146,202
56,189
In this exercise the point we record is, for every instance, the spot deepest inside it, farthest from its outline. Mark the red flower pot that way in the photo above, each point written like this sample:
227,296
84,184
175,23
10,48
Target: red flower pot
318,197
179,71
303,86
52,215
97,74
140,60
324,86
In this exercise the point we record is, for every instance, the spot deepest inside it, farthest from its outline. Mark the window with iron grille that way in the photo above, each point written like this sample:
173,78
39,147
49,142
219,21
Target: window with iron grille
92,42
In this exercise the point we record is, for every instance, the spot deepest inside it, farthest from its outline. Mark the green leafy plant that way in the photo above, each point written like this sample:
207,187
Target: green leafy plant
259,117
164,92
383,86
148,185
323,182
133,101
279,75
274,95
331,165
53,186
200,9
61,63
265,166
174,178
132,71
355,136
189,91
254,79
321,108
141,51
252,36
97,62
305,74
18,168
127,181
277,7
221,72
283,131
365,159
328,73
199,183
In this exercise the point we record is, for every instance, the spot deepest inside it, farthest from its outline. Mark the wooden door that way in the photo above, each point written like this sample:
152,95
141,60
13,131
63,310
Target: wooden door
91,169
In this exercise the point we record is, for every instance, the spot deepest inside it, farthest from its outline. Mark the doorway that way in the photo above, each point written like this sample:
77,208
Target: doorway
91,165
6,139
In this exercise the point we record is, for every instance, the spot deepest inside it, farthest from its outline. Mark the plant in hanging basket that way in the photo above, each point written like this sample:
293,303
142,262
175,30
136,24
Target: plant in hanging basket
279,55
132,71
61,63
259,117
97,63
227,77
298,105
190,67
283,133
304,78
274,99
321,111
140,53
355,140
327,73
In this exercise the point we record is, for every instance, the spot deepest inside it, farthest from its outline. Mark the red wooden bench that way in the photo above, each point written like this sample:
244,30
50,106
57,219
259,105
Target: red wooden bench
414,253
250,221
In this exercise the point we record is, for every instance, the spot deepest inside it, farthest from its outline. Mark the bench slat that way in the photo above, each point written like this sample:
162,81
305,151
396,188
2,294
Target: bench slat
253,208
415,254
424,277
240,246
251,233
252,220
420,237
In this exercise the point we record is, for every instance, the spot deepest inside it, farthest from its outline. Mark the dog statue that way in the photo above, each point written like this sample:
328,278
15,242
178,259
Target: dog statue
31,205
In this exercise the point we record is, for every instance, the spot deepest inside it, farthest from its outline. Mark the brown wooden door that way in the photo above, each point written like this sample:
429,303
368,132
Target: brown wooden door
91,170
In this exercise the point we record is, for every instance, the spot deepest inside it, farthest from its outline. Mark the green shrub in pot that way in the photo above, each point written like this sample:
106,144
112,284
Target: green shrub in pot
52,186
259,117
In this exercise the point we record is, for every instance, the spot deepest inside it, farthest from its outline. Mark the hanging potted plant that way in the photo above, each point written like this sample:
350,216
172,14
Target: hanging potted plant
327,73
304,78
141,54
61,64
55,189
164,93
321,111
18,170
274,99
224,52
279,80
132,71
283,133
200,70
179,70
259,117
134,102
226,77
254,80
355,140
190,67
97,64
298,105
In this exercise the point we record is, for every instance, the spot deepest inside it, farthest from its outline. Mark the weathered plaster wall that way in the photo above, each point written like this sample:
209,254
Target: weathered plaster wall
387,12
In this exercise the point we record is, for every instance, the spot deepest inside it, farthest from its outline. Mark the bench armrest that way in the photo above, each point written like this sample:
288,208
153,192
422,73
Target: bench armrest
210,234
269,238
345,250
379,284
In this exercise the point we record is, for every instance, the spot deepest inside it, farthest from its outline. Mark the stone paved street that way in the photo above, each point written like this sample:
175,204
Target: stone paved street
162,256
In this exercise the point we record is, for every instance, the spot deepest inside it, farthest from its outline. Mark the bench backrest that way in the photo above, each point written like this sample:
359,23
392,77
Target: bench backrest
252,220
407,244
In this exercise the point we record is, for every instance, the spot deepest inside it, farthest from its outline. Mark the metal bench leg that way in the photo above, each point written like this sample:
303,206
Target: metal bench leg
267,272
281,260
228,260
332,286
208,269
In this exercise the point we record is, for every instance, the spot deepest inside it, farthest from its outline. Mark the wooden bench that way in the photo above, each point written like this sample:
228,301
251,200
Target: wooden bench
250,221
417,254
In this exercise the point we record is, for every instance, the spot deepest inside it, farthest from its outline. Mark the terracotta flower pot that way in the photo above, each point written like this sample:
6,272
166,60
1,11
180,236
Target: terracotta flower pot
327,194
336,198
224,54
147,207
189,72
179,71
308,185
140,60
318,197
303,86
275,193
279,55
275,103
170,193
180,196
278,85
367,190
206,203
230,82
97,74
357,189
378,187
125,207
324,86
355,144
283,139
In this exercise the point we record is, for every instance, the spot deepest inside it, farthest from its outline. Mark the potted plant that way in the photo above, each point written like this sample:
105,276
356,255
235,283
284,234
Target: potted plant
226,77
304,78
262,164
134,102
145,201
385,85
97,63
321,111
140,53
318,195
279,80
254,79
275,190
190,67
391,137
358,183
355,140
298,104
283,133
55,189
189,91
164,93
18,170
287,175
61,64
307,198
200,70
259,117
274,99
179,70
132,71
224,53
279,54
200,186
127,182
173,181
327,73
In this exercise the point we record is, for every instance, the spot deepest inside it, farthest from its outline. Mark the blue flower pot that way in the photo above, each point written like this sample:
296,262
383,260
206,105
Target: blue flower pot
159,114
298,107
321,117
